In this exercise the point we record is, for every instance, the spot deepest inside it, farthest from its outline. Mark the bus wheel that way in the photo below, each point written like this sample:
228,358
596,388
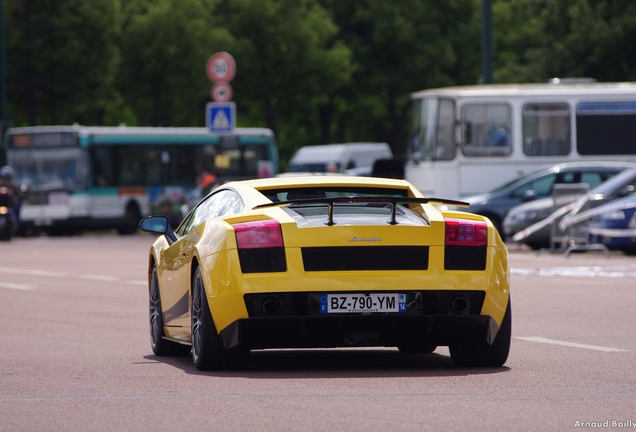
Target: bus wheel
131,220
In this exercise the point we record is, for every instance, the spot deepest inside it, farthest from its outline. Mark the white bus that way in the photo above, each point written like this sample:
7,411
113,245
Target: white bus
468,140
83,177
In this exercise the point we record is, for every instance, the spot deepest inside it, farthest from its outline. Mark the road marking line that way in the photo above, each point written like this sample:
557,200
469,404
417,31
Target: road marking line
99,278
568,344
57,274
136,282
32,272
27,287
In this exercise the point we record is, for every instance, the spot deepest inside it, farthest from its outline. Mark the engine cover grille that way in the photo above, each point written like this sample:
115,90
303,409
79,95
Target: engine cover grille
365,258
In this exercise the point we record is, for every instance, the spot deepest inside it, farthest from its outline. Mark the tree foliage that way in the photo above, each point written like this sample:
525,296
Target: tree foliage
399,47
165,45
539,39
290,66
62,59
315,71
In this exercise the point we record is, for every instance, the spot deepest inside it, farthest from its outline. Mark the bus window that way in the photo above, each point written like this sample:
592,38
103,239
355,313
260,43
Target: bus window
486,129
103,166
252,154
606,128
422,142
130,166
546,129
445,149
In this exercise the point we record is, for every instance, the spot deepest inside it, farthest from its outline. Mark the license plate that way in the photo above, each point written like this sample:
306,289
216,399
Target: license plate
356,303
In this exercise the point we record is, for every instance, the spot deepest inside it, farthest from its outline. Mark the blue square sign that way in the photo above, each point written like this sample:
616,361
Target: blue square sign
220,117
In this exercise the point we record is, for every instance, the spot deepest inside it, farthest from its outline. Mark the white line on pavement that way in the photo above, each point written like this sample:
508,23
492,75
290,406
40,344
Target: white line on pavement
568,344
31,272
23,287
44,273
136,282
99,278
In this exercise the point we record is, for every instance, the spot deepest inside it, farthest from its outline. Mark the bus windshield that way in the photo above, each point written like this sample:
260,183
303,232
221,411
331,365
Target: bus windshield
433,129
51,169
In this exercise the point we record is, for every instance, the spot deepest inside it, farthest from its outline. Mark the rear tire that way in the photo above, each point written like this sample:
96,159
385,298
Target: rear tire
481,354
160,346
208,352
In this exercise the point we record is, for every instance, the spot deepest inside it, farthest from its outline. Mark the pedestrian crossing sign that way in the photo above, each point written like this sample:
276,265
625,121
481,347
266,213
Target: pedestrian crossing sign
220,117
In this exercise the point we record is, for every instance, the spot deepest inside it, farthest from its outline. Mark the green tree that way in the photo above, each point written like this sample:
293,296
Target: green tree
401,47
165,47
62,56
540,39
290,67
591,38
516,37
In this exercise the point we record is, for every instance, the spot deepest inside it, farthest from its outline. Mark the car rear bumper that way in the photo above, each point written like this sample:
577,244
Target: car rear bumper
358,330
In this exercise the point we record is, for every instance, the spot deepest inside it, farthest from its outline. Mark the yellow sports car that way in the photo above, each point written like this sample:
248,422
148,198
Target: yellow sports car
327,261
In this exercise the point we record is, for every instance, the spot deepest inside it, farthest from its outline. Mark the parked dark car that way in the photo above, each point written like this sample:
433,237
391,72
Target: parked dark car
497,203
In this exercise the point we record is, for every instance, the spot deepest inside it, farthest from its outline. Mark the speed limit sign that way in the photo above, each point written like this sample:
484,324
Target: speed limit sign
221,67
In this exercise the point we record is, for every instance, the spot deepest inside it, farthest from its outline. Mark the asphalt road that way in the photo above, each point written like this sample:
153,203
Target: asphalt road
75,356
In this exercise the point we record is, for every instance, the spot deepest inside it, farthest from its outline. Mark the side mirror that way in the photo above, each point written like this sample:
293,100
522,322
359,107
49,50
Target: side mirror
529,195
158,225
627,190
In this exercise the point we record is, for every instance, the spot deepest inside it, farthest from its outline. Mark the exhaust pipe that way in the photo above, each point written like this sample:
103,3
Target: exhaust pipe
460,305
270,306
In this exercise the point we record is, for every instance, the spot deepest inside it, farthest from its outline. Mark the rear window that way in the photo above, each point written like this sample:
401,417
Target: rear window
287,194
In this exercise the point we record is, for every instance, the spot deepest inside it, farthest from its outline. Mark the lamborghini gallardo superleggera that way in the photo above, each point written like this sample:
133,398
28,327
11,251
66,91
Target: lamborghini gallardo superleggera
327,261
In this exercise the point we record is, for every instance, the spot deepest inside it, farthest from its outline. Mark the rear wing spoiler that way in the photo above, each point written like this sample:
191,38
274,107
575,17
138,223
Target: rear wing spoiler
393,201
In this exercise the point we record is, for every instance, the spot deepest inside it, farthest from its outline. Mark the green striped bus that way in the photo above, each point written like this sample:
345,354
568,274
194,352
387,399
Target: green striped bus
79,177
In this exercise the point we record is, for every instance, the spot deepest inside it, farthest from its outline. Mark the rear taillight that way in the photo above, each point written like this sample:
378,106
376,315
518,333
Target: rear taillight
258,235
464,232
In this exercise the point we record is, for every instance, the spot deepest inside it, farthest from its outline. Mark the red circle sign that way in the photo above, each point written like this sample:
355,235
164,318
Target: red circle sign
221,92
221,67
